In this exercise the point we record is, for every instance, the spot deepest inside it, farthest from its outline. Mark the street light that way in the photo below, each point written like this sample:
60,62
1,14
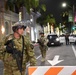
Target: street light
64,5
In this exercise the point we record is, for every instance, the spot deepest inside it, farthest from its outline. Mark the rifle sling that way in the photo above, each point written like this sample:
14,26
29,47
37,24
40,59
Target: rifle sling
22,49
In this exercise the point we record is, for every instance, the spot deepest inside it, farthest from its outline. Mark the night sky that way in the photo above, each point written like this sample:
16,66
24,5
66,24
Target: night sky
54,7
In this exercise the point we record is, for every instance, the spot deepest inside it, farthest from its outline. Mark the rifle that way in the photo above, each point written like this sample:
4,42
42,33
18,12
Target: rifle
18,55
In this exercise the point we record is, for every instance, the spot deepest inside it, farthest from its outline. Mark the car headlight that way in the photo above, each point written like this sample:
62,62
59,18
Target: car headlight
57,39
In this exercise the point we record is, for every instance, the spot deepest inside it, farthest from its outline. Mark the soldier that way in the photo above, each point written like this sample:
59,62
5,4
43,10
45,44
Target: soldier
43,46
21,47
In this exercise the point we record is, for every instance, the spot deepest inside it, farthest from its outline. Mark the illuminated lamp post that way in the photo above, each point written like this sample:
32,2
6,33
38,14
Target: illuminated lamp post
73,11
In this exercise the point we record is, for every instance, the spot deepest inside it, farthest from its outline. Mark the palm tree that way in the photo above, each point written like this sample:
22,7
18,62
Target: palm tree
18,5
12,4
44,19
52,22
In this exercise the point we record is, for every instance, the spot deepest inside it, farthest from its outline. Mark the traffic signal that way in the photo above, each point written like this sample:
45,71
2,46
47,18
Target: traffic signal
73,28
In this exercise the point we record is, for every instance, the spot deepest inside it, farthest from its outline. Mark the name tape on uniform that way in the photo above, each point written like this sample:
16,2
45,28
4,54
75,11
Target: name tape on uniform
52,70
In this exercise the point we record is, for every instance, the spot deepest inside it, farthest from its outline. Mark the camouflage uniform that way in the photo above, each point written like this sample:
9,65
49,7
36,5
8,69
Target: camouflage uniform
43,47
10,62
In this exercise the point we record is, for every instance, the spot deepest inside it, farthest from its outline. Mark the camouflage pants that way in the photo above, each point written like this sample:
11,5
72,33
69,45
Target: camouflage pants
12,70
43,51
10,66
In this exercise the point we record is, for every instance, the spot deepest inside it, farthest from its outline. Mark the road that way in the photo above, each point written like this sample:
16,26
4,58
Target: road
64,55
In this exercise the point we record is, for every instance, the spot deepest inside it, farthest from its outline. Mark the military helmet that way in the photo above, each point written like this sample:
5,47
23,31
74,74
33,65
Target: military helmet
18,26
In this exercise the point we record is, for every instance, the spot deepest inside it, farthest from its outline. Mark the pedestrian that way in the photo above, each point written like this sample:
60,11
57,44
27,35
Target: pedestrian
67,38
17,52
43,46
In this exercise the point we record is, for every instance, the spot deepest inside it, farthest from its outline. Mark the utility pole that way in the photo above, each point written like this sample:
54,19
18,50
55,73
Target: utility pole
73,12
73,15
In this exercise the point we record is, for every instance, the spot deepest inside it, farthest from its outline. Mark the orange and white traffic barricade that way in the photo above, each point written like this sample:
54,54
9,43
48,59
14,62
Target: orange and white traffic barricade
52,70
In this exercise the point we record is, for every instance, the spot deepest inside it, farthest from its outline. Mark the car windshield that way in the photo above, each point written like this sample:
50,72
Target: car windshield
62,36
71,35
52,36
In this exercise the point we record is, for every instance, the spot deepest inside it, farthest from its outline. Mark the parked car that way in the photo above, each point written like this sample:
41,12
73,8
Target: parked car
75,39
62,39
53,39
71,39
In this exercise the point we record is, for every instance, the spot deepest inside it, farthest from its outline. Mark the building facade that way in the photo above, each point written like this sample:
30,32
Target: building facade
7,19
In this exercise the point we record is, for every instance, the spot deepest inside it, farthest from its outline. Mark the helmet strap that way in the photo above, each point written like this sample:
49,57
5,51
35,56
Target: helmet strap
17,33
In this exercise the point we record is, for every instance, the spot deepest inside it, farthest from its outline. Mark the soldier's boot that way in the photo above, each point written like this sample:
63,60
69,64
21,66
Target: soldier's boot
43,60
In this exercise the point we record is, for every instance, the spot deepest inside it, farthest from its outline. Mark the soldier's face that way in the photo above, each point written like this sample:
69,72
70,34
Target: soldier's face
42,34
20,31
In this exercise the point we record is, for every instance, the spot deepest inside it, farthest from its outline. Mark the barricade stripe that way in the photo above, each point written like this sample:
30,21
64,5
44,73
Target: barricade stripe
74,73
31,70
67,70
41,70
53,71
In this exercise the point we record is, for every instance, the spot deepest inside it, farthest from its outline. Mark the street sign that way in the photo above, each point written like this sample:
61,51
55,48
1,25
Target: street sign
52,70
70,17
